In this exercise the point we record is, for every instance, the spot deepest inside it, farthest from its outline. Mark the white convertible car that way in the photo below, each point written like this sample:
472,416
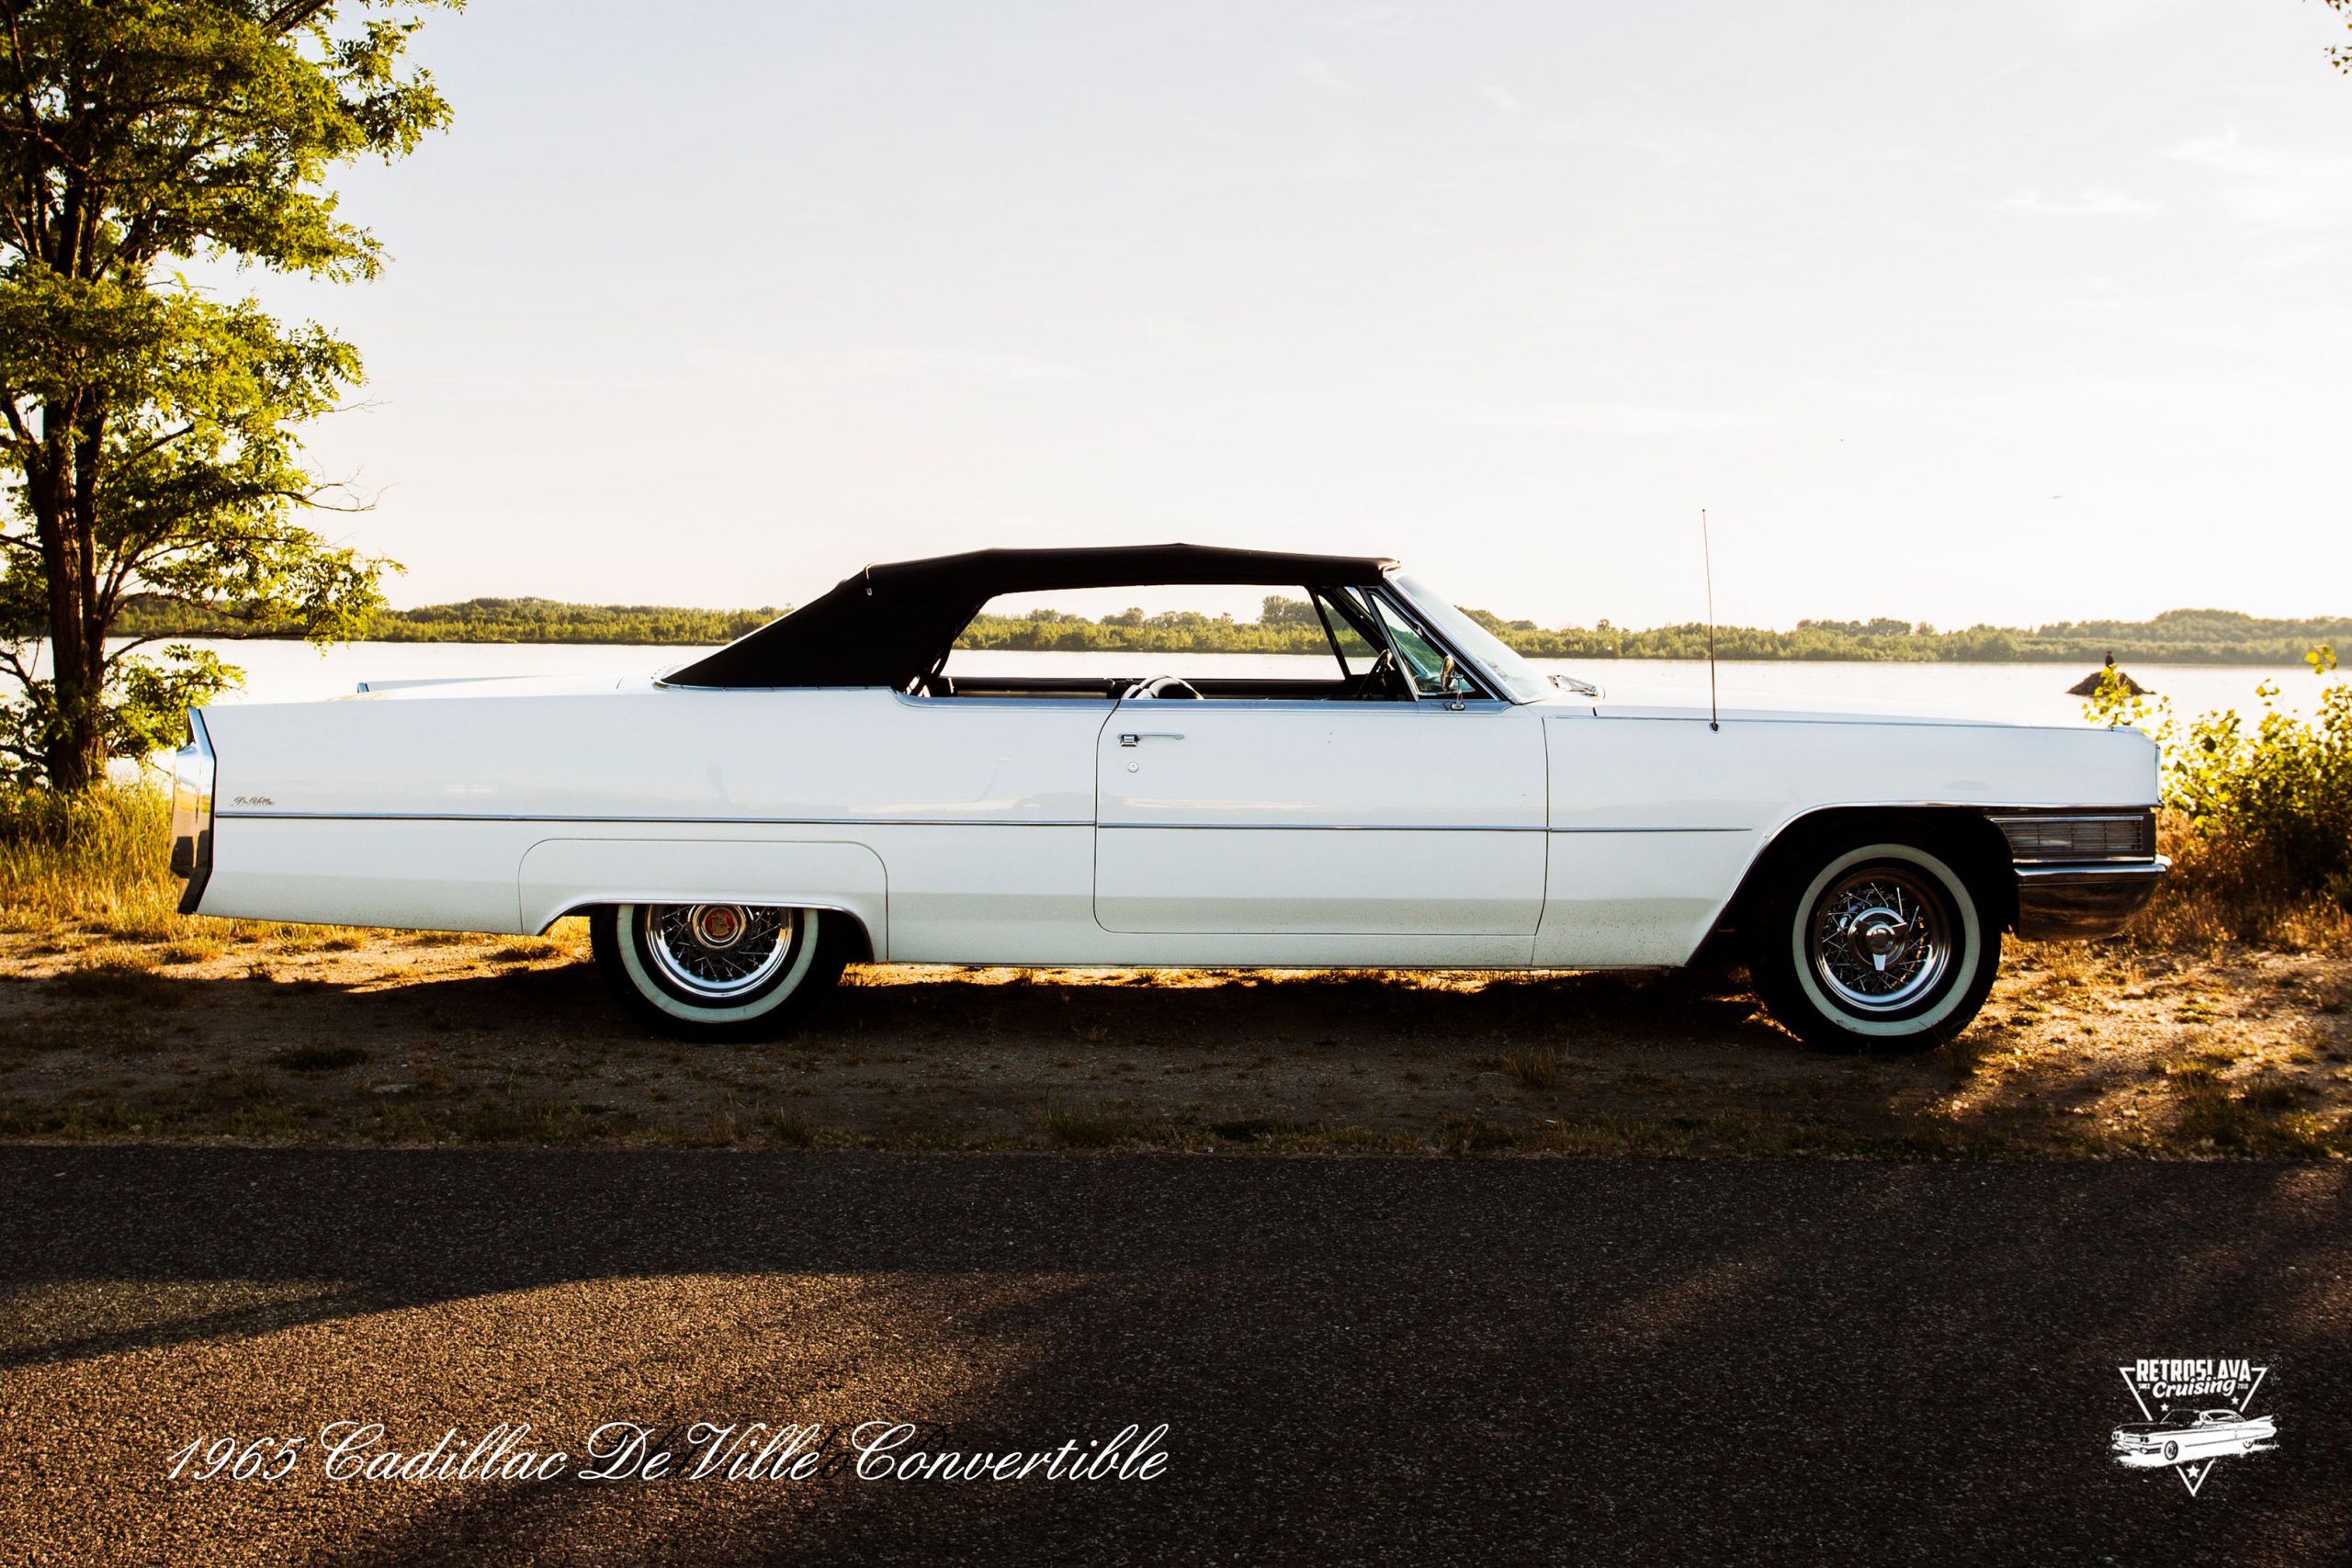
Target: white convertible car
827,789
2184,1437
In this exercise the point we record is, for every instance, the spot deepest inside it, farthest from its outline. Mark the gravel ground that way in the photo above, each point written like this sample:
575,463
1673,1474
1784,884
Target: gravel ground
1357,1359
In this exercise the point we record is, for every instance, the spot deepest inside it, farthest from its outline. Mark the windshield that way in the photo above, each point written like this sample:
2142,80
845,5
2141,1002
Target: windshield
1526,683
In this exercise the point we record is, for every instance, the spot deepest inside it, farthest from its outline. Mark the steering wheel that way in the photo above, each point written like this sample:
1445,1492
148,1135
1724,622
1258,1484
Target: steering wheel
1159,686
1385,681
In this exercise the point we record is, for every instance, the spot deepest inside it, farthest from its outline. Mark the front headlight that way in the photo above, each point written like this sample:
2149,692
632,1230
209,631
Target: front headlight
192,771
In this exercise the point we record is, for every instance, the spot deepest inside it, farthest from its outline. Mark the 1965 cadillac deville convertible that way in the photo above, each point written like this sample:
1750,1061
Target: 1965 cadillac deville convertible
829,789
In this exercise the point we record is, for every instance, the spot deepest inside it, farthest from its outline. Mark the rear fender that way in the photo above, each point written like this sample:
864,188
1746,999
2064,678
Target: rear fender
564,876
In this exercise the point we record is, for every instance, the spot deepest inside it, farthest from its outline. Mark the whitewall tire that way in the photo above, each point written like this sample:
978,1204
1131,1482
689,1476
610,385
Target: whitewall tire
719,971
1881,945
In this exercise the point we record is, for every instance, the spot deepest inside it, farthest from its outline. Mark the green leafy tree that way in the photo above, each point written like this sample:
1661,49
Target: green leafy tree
149,443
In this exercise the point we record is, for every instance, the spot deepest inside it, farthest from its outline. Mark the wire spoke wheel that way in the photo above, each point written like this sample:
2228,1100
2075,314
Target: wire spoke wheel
721,971
1871,941
1882,938
714,952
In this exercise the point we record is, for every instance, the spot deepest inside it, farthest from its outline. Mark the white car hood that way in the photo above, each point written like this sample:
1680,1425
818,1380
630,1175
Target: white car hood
1629,700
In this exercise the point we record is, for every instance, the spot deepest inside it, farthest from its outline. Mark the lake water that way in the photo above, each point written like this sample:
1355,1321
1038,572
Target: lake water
277,671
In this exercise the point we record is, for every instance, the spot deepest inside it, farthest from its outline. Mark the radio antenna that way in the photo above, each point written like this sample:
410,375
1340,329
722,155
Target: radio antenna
1707,565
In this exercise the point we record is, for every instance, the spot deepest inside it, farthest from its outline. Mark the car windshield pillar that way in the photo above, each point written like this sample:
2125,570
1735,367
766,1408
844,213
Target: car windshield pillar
1508,672
1424,662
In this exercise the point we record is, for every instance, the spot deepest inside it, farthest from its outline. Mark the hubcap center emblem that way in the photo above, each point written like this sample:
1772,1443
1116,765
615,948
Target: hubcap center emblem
718,925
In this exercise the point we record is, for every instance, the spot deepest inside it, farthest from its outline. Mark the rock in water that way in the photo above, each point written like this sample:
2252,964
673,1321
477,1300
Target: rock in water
2089,684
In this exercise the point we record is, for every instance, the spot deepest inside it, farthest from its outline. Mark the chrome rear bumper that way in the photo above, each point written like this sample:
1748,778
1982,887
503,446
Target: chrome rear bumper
2064,903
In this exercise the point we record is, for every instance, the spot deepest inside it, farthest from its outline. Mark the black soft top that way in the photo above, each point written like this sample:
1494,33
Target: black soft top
889,624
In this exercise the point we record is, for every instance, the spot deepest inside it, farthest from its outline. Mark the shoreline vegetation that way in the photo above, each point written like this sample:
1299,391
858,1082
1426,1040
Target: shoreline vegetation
1288,626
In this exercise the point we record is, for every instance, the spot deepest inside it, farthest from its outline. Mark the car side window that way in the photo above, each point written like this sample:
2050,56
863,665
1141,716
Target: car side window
1237,642
1421,660
1344,613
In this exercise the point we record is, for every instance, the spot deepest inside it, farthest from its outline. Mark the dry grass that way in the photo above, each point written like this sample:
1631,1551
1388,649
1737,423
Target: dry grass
102,862
95,876
2221,892
1534,1069
1097,1126
102,865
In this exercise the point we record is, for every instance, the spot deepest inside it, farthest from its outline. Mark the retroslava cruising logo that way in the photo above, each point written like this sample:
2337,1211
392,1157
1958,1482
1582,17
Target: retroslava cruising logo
2192,1413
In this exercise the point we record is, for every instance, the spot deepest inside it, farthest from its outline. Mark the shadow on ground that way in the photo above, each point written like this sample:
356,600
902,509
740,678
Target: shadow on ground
432,1041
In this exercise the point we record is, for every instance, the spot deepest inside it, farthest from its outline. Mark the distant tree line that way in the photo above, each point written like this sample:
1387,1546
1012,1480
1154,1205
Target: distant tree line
2176,636
1289,625
477,620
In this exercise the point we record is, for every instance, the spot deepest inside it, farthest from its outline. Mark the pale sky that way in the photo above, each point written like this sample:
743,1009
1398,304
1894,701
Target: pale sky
2012,310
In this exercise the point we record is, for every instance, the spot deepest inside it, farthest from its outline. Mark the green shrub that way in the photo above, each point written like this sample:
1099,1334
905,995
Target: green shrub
2274,799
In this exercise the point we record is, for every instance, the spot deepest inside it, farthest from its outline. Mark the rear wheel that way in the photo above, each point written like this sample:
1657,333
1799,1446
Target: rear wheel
1873,946
720,971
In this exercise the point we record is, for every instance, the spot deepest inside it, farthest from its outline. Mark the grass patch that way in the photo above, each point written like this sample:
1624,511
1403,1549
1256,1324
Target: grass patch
510,1120
785,1130
2264,1118
239,1086
1097,1127
101,863
1534,1069
1256,1130
114,980
2275,1095
1473,1136
2223,889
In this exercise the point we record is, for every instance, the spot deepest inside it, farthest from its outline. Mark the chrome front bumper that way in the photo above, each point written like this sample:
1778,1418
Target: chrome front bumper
2068,903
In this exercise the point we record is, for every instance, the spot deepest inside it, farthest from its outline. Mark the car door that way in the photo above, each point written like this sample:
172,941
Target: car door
1398,818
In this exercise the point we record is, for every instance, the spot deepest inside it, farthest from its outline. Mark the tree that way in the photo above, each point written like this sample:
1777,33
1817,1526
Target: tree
149,443
1281,610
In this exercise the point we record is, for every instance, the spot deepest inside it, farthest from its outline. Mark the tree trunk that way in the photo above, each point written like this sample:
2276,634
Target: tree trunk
75,753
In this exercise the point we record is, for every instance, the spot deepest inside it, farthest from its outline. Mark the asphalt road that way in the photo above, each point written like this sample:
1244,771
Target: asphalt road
1412,1360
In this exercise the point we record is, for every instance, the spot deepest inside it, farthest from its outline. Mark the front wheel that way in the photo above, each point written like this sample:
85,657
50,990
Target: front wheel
719,971
1874,946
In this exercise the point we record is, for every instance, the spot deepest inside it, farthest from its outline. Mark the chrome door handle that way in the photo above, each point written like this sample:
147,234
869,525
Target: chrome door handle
1136,736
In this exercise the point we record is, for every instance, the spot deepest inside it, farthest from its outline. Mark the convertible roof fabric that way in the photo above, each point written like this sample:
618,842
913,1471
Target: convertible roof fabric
889,624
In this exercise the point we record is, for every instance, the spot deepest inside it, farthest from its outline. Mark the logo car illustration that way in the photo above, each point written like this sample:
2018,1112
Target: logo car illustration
2186,1437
